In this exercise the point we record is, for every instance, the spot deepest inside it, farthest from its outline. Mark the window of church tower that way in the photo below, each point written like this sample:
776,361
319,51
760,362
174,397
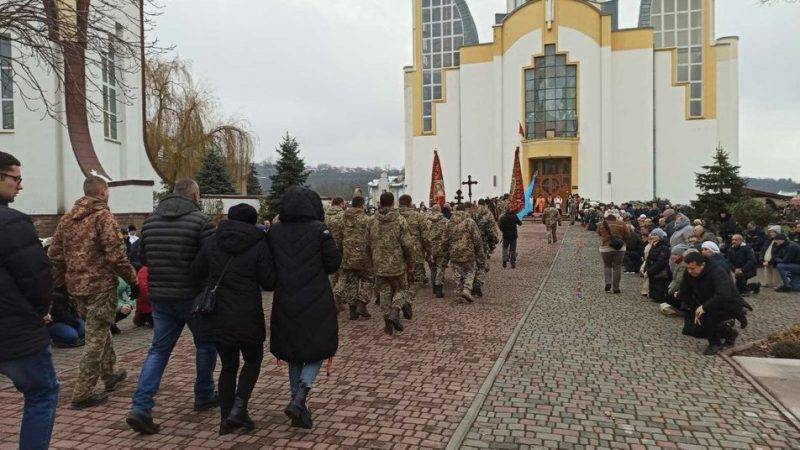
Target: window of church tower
6,85
442,37
679,23
551,100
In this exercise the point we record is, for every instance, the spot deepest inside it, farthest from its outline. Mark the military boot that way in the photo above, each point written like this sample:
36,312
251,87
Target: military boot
394,318
438,290
361,310
408,312
477,291
467,295
388,328
353,312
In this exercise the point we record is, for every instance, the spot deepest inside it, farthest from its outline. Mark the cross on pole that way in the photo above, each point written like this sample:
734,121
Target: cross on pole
459,197
469,184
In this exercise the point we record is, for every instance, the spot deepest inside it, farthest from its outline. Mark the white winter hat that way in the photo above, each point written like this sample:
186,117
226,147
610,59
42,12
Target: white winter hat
775,228
708,245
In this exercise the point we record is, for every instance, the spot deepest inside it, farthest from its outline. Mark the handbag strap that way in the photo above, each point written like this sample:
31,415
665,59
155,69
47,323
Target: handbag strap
222,274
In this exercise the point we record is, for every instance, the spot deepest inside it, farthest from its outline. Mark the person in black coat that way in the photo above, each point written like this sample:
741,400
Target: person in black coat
727,227
742,260
237,260
26,281
508,224
756,238
303,326
657,266
710,289
786,258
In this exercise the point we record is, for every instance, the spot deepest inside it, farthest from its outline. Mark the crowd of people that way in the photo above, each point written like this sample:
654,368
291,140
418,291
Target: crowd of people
694,269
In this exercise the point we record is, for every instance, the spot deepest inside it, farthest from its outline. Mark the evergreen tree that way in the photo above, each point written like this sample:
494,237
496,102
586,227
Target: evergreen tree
720,186
213,177
253,185
290,170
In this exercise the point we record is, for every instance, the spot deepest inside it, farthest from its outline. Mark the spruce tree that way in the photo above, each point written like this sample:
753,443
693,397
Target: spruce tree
213,178
720,186
253,185
290,171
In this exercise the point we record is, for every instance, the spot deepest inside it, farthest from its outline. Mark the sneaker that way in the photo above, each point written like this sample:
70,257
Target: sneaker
89,402
113,381
141,423
205,406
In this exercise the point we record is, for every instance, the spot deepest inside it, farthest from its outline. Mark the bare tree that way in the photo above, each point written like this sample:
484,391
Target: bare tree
181,127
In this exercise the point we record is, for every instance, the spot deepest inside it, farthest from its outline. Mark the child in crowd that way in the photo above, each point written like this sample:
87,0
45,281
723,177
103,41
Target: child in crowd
144,309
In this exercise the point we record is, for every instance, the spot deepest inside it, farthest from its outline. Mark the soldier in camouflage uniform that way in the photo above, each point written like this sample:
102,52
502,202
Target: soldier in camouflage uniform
437,239
418,226
355,274
392,249
487,227
550,218
465,247
333,220
88,255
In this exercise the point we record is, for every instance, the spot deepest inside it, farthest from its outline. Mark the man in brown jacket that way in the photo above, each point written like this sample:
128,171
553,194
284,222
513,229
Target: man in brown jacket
88,255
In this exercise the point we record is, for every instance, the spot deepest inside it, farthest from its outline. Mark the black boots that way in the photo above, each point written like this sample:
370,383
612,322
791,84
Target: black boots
394,318
408,313
353,312
476,290
297,409
438,290
238,417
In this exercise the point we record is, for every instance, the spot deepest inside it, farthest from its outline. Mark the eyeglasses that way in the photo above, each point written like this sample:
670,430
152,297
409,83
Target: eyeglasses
17,179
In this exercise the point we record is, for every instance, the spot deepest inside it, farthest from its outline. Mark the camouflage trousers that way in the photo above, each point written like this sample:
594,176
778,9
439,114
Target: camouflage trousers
98,358
465,275
389,290
416,277
437,266
480,274
551,233
354,286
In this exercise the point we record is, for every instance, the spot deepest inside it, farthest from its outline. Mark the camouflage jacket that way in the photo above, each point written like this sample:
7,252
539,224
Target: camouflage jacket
464,241
437,234
351,238
390,243
488,226
550,216
418,227
87,250
333,218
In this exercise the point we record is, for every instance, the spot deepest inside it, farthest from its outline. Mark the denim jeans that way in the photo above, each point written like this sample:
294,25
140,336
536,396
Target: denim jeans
168,322
790,274
509,250
303,372
67,334
35,377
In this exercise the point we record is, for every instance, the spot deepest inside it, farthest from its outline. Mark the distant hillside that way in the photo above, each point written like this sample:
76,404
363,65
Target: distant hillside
772,185
327,180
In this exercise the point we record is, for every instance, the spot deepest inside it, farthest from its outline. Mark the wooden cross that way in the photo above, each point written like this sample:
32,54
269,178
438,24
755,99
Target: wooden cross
469,184
459,197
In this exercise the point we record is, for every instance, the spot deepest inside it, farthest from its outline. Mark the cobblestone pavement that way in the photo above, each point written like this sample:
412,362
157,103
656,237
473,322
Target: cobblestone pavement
597,370
406,391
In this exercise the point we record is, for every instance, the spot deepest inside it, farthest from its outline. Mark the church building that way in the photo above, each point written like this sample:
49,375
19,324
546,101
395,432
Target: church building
611,114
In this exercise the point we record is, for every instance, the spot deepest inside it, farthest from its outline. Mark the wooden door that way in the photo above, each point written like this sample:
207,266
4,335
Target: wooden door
553,177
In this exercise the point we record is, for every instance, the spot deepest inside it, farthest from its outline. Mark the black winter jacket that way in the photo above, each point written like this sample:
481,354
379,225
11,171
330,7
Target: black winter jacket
238,319
757,240
658,260
715,290
788,253
171,239
743,257
303,325
26,282
508,224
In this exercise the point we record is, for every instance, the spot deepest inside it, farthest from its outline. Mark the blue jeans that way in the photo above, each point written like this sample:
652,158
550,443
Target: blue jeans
303,372
35,377
67,334
168,322
790,274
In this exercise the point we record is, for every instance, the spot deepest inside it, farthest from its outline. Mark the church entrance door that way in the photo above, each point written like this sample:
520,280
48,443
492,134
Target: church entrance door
553,178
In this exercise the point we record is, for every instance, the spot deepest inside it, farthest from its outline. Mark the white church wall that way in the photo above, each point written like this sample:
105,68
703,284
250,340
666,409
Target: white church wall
447,139
682,146
728,97
584,49
478,157
632,125
408,112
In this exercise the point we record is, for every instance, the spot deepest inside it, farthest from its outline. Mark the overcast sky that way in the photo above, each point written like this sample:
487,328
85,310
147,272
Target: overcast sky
330,72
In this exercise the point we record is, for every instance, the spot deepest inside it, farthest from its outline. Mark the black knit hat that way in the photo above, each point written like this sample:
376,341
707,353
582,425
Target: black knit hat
780,237
243,213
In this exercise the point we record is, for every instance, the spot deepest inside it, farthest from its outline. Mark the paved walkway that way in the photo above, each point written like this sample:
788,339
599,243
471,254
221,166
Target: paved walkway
588,369
600,370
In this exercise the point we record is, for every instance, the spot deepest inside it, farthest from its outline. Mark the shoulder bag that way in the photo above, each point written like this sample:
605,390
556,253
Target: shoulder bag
615,242
206,301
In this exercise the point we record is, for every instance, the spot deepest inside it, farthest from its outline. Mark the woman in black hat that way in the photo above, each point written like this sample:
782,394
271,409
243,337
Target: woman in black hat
237,257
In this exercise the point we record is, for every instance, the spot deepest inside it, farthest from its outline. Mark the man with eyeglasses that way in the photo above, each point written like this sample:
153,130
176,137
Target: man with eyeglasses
25,286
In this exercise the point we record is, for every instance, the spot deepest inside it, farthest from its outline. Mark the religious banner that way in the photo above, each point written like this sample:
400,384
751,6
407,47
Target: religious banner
517,198
437,195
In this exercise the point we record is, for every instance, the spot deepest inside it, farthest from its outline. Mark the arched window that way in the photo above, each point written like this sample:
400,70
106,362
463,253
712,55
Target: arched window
551,96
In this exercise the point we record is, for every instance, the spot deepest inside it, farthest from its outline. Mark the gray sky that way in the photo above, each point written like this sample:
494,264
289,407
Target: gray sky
330,72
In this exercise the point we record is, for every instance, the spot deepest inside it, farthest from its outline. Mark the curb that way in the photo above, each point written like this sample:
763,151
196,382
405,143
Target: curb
763,390
460,434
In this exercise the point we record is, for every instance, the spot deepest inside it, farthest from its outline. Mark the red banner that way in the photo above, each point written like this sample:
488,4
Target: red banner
517,197
437,195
